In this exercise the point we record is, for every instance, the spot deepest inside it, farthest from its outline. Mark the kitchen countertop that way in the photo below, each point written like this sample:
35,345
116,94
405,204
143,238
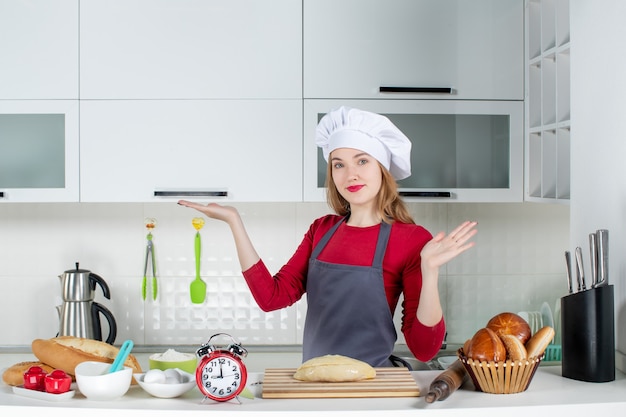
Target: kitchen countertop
549,392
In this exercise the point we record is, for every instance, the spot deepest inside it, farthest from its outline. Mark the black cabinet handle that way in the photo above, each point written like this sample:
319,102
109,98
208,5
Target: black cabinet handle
200,193
1,194
426,194
438,90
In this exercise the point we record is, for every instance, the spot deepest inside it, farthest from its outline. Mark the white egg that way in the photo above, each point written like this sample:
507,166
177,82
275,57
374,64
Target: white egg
172,376
154,376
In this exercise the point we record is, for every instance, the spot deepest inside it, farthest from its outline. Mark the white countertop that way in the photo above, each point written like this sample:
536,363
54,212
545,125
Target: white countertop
548,393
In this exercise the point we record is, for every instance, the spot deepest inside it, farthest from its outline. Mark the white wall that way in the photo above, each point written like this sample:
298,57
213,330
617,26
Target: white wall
598,191
517,265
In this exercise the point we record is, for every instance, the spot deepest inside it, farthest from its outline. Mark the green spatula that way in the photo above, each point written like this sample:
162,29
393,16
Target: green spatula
197,289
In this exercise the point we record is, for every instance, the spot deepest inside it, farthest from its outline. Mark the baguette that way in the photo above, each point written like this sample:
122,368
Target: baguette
538,343
65,352
14,375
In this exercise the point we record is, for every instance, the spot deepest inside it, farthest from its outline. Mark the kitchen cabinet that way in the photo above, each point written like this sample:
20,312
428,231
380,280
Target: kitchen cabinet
190,49
163,150
39,49
39,151
462,151
352,48
548,123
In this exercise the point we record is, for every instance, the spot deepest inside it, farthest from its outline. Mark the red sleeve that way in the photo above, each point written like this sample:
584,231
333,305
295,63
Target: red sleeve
289,284
424,342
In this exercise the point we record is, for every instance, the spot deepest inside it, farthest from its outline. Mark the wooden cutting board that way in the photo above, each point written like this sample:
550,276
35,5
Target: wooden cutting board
389,382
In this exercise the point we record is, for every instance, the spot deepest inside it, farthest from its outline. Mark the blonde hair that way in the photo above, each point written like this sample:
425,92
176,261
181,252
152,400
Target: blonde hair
389,205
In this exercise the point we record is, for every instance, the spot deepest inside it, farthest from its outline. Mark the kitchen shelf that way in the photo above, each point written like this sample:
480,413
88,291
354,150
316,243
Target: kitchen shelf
547,145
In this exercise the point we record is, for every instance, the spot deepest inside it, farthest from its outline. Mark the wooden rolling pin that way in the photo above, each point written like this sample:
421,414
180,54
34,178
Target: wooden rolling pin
447,382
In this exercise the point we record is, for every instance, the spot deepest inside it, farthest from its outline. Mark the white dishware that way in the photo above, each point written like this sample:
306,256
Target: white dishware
96,383
165,389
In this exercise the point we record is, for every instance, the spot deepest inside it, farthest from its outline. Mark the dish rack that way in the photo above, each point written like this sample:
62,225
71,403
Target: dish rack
552,353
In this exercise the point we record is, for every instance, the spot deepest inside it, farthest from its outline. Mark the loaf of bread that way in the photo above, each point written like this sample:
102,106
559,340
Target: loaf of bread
510,323
14,375
334,368
539,341
65,352
487,346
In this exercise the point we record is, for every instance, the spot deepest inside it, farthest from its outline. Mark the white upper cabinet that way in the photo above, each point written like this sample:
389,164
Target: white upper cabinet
164,150
39,49
475,48
192,49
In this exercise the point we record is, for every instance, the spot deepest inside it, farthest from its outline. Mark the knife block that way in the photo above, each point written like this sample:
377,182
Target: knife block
588,335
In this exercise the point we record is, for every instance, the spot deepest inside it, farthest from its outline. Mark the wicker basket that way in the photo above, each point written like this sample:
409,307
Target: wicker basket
508,377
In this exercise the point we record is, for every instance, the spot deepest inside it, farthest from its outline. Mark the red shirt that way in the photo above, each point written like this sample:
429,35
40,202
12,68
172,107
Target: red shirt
355,246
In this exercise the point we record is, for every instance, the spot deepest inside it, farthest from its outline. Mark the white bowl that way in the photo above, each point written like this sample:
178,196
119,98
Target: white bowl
95,383
165,390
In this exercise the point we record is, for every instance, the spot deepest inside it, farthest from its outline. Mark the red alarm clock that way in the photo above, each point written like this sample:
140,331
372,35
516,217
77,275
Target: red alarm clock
221,374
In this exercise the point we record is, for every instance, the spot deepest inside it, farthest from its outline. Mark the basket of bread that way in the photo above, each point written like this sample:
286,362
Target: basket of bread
502,357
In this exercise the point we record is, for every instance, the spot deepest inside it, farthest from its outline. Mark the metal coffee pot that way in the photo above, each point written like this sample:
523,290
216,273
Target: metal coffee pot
79,315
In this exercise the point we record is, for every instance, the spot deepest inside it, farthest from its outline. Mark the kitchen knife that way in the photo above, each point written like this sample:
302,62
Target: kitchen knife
580,271
568,266
602,239
593,259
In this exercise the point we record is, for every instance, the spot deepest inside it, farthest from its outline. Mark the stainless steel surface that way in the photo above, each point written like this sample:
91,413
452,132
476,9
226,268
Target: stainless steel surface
580,270
602,239
568,266
593,259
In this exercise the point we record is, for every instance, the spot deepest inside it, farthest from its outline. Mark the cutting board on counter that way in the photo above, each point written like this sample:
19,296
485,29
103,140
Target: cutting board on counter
389,382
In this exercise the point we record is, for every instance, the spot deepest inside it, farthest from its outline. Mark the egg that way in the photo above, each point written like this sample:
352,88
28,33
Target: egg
155,376
172,376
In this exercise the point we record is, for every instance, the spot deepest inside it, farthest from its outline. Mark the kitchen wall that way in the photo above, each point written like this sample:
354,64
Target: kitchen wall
598,198
516,265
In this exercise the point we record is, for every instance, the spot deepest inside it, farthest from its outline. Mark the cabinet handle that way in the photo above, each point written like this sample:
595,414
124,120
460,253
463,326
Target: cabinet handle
204,193
1,194
436,194
439,90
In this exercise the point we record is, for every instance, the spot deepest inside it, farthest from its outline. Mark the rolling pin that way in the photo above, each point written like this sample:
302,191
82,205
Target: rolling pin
447,382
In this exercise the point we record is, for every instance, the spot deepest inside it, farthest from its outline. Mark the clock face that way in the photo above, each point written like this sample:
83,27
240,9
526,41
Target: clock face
221,376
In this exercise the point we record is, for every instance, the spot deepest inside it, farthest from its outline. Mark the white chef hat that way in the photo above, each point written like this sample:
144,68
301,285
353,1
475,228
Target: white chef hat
369,132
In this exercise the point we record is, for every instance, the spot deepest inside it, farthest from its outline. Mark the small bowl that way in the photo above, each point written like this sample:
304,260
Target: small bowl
188,365
447,361
95,383
165,390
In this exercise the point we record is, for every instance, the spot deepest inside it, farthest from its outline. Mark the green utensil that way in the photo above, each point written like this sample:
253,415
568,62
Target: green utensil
197,288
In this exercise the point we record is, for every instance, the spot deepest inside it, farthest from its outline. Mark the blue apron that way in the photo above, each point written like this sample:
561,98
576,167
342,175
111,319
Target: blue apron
347,311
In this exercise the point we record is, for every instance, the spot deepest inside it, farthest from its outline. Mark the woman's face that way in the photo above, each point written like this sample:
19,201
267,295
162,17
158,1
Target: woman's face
356,174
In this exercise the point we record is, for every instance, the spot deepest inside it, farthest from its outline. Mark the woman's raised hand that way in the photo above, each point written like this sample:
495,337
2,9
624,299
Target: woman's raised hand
442,248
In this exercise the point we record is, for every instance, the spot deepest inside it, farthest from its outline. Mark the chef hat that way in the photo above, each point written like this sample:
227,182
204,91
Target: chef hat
369,132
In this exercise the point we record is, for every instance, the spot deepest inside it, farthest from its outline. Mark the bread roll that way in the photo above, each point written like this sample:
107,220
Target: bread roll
334,368
14,375
539,341
486,346
510,323
65,352
515,350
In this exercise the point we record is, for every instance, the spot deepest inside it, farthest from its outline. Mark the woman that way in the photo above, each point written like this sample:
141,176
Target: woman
354,265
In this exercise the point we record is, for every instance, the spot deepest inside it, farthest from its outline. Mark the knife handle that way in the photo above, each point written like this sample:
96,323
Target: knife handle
593,258
602,238
580,270
568,266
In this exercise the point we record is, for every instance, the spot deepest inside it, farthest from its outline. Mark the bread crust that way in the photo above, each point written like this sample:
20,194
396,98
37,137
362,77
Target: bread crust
510,323
538,343
65,352
487,346
515,350
14,374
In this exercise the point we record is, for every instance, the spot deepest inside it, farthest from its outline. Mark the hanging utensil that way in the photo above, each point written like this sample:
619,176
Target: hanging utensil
150,225
197,288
